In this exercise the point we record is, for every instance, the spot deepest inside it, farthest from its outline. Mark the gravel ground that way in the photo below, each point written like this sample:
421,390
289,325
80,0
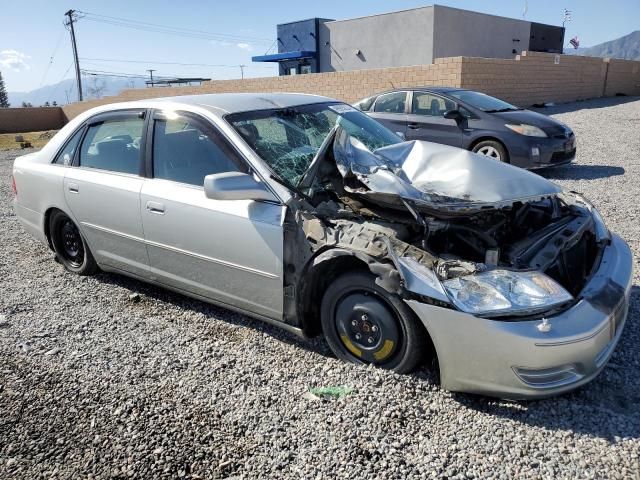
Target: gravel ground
94,384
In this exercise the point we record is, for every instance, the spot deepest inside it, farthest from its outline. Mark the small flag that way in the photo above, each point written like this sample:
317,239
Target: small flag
575,43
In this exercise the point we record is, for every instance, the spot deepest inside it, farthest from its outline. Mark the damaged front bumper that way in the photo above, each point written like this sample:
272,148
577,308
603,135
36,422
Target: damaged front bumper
524,359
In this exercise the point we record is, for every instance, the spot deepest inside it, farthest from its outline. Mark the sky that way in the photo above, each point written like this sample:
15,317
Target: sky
35,47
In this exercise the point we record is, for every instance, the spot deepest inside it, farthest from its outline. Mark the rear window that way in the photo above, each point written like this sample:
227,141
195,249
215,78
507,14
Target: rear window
113,145
391,103
365,105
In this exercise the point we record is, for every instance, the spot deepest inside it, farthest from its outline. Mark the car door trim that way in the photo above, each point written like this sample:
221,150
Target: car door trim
181,251
280,323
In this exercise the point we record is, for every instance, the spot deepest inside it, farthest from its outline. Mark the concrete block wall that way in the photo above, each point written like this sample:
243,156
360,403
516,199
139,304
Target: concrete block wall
623,77
534,77
530,78
36,119
346,86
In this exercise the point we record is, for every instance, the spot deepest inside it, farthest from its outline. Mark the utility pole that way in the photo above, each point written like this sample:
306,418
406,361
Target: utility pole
242,67
70,23
151,75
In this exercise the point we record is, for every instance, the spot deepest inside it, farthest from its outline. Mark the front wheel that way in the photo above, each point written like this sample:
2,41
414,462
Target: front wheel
70,247
491,149
363,323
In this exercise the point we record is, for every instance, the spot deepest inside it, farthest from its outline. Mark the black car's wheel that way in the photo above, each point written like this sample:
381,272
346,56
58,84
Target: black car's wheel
71,249
492,149
364,323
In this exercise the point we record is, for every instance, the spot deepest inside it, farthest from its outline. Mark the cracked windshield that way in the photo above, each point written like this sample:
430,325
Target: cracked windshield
288,139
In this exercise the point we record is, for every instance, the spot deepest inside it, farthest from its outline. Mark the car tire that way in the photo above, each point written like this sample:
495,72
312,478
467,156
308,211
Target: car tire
365,324
70,246
491,149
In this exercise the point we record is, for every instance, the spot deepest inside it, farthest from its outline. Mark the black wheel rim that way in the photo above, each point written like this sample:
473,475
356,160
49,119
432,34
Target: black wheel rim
367,326
72,248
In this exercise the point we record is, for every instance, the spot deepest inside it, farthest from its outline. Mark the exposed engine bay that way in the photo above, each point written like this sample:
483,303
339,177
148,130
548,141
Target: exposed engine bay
446,209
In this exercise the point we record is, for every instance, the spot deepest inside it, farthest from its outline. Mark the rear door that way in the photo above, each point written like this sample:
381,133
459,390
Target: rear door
103,189
228,251
426,120
390,110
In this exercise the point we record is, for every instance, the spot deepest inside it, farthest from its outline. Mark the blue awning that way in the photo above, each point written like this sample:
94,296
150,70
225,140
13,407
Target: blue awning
281,57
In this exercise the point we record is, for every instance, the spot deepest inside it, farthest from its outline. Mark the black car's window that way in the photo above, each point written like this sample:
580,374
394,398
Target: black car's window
287,139
186,149
482,101
65,157
113,145
391,103
425,103
365,105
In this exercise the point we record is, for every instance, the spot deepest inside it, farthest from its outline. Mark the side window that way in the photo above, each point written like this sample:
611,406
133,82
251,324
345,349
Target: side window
186,150
431,105
113,145
391,103
365,105
65,157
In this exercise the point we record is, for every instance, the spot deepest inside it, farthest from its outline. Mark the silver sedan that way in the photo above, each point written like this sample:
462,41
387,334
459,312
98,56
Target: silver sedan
304,212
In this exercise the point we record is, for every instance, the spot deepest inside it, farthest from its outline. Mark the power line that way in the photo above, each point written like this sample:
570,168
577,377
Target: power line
153,62
107,73
64,75
170,30
55,50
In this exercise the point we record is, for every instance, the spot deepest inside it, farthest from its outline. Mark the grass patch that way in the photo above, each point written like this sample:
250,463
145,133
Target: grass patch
37,139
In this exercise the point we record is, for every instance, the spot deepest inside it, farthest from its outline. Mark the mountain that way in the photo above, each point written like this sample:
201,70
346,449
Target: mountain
92,87
624,47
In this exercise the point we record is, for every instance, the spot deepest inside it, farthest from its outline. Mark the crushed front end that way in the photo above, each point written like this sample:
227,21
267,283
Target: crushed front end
521,287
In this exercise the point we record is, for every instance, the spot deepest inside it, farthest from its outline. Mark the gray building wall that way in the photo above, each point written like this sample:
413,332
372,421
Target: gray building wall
389,40
464,33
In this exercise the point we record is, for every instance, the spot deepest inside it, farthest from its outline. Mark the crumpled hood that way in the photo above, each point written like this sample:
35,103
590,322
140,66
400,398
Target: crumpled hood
436,176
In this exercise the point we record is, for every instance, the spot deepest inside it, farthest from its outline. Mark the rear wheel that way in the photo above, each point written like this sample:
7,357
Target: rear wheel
70,247
364,323
491,149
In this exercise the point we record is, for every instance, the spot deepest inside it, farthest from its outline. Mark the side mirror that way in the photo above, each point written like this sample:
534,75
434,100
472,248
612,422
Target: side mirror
453,115
235,186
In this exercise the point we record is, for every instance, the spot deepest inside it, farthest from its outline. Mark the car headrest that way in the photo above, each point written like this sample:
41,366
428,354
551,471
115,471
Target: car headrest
249,132
110,147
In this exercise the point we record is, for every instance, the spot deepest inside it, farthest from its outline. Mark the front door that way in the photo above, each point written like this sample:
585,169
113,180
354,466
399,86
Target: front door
426,120
103,190
228,251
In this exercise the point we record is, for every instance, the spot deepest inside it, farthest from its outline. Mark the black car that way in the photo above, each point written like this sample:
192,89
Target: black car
474,121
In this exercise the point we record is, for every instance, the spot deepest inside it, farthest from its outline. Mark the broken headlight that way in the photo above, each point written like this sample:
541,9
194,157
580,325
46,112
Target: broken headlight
503,292
601,230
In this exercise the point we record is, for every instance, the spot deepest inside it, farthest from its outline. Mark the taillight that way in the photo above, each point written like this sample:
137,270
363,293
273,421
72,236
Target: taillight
13,186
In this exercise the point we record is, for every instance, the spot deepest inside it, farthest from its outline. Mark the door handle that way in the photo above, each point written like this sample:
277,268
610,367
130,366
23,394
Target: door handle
74,188
155,207
413,126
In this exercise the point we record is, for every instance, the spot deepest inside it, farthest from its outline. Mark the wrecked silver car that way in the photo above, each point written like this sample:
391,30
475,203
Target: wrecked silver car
304,212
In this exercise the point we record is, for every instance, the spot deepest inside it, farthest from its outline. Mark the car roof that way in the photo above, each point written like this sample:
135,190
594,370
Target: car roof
425,88
241,102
